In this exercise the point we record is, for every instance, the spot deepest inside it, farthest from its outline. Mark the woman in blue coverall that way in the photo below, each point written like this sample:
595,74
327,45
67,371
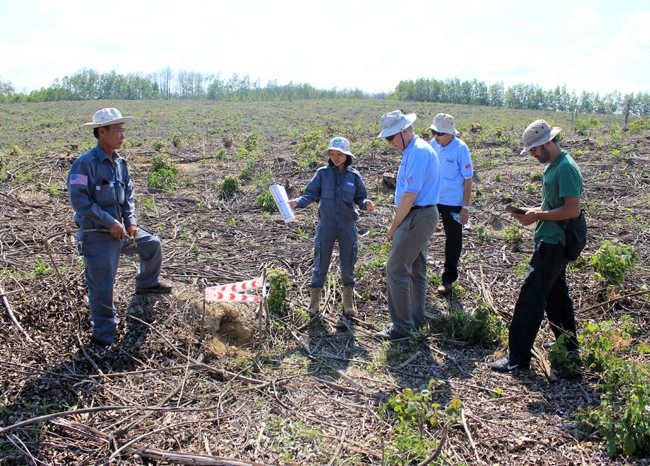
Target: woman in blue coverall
337,187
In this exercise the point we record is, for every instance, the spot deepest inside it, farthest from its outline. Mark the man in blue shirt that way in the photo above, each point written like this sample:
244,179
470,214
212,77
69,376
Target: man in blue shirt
455,190
101,195
416,217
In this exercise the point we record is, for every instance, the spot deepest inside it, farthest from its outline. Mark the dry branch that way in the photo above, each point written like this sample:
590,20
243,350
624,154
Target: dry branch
152,453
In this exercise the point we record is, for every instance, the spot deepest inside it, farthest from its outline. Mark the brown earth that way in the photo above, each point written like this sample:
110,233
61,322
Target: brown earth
187,385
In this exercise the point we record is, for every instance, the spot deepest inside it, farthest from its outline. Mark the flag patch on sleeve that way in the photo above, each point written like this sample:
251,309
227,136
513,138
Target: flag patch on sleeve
76,178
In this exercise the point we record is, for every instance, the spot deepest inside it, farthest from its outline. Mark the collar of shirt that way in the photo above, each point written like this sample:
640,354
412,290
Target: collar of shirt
102,155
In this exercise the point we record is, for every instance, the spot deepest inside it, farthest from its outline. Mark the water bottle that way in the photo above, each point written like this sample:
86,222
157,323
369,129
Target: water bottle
456,216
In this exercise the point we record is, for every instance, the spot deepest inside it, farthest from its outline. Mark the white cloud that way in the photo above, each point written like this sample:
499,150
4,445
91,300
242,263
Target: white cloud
371,45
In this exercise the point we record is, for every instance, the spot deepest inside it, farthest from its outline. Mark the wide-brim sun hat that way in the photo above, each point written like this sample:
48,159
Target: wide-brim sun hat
340,144
106,117
444,123
395,122
537,133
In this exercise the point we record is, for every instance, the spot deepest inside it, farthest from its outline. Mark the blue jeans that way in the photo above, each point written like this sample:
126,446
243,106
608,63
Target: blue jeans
101,257
544,289
406,270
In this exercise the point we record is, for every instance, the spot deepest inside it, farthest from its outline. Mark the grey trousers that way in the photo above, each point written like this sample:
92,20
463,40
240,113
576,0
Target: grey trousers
406,270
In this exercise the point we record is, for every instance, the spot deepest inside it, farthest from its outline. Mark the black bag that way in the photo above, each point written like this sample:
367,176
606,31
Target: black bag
575,230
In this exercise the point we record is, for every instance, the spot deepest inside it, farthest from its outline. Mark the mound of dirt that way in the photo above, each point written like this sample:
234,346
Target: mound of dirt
229,326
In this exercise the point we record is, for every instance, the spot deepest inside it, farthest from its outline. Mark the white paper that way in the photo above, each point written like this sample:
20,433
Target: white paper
282,202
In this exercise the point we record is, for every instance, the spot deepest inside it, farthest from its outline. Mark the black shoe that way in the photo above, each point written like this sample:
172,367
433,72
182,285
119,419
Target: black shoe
504,365
389,335
98,343
160,288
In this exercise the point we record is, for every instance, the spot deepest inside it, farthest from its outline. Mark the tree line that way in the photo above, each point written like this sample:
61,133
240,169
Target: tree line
522,96
89,84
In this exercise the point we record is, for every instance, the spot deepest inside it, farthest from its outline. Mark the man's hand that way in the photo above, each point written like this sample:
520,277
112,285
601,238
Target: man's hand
528,218
370,206
464,217
132,231
117,230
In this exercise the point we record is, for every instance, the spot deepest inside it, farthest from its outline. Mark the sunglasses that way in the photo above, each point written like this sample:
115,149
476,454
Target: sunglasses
390,138
436,133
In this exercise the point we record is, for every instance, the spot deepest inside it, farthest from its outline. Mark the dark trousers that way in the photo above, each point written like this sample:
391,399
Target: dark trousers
323,248
544,289
453,242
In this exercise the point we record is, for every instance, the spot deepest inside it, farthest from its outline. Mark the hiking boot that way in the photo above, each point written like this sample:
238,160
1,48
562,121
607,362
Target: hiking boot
314,303
444,288
160,288
504,365
349,309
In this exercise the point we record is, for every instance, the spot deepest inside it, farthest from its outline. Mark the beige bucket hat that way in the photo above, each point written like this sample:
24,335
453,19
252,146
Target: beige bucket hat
444,123
340,144
537,133
107,116
395,122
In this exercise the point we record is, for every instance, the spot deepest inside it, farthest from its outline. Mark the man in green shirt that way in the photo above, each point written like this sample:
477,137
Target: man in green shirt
545,287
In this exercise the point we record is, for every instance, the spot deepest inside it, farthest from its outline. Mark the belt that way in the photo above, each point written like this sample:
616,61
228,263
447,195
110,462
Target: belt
422,206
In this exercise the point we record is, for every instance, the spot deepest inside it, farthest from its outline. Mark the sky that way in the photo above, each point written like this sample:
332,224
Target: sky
593,45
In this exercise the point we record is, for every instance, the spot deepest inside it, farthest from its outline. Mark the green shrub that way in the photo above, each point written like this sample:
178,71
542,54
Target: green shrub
177,141
514,235
15,150
159,146
416,413
582,125
248,171
266,202
221,154
483,235
622,417
162,162
41,269
483,327
639,125
613,261
230,185
164,179
278,290
164,173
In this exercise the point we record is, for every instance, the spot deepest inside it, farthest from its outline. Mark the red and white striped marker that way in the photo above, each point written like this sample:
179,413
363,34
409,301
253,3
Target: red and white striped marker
241,286
231,291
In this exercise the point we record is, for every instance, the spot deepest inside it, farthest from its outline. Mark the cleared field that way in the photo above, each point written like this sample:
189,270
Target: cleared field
301,391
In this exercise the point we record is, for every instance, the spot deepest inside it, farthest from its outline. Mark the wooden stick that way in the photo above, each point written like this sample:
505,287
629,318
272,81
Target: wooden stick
469,436
155,454
5,301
